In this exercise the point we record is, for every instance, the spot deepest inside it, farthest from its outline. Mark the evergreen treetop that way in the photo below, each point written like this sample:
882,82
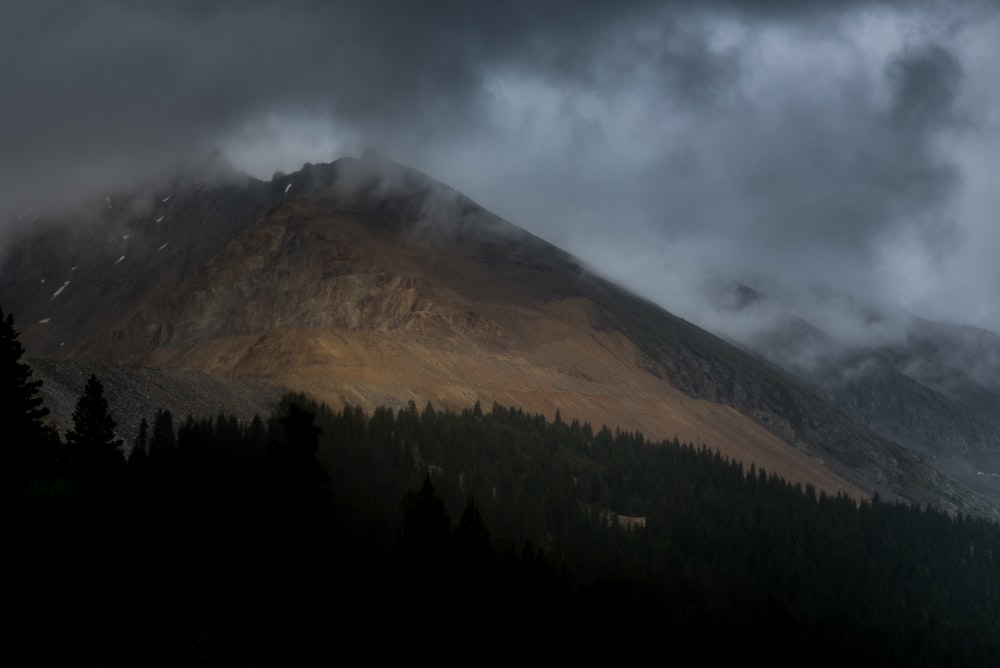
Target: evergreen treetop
92,442
21,408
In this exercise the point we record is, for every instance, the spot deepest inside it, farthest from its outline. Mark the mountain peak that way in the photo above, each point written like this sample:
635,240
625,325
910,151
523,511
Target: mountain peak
366,282
373,155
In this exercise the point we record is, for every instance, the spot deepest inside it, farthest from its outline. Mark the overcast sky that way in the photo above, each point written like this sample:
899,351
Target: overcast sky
805,149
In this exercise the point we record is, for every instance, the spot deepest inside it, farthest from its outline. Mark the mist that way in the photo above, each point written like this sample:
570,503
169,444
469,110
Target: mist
838,160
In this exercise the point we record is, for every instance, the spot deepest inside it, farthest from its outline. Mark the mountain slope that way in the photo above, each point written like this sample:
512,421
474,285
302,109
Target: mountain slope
366,282
933,387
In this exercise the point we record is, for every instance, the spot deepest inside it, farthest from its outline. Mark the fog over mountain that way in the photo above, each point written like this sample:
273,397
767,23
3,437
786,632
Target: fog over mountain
840,159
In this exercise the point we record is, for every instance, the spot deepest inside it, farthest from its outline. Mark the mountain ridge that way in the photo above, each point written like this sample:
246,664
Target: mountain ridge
930,386
368,284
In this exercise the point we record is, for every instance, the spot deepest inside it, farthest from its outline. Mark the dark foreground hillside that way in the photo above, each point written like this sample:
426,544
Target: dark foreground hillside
317,534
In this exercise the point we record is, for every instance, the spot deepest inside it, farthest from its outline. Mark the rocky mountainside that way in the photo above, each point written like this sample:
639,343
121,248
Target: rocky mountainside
933,387
365,282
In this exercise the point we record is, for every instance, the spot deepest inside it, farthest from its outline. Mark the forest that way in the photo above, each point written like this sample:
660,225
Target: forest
313,533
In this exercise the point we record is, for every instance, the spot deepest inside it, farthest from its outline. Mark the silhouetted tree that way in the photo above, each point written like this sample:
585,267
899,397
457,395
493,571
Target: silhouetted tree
164,439
472,535
294,459
475,559
426,541
21,409
94,449
191,440
137,456
298,483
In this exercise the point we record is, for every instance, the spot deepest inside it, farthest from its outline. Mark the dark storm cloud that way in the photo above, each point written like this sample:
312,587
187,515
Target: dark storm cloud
924,85
97,93
840,172
91,85
790,143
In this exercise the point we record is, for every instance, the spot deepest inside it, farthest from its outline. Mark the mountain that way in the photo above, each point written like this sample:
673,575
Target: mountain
933,387
366,282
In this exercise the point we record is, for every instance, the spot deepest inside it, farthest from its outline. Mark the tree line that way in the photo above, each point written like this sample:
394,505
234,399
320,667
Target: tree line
300,534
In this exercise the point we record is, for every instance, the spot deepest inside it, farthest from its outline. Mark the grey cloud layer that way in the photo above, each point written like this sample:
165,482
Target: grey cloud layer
783,142
110,75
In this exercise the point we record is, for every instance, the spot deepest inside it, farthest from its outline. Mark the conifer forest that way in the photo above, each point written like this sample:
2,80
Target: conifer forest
317,531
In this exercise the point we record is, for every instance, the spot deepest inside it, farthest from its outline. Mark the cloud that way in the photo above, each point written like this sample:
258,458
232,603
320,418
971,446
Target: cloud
800,147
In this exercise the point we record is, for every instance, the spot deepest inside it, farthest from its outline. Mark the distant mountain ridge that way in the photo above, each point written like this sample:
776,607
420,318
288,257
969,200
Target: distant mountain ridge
365,282
933,387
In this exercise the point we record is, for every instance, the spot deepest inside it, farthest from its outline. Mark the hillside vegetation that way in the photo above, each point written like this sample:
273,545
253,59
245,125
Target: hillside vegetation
260,543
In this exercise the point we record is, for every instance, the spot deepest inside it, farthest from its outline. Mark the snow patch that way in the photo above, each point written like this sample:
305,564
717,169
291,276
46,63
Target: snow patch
288,187
165,199
125,236
160,219
118,260
72,268
163,246
107,199
59,291
44,320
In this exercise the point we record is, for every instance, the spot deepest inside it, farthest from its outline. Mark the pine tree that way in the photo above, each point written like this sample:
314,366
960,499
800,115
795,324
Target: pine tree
473,536
94,449
164,441
426,541
21,410
137,456
292,464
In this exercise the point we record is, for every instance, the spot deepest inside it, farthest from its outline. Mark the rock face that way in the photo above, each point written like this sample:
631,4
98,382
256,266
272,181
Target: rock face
936,391
932,387
365,282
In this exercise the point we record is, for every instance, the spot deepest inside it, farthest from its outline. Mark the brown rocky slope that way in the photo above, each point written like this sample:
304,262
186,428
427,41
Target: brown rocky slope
367,283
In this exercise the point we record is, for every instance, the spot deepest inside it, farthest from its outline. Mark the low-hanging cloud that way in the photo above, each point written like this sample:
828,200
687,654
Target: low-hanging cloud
801,148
